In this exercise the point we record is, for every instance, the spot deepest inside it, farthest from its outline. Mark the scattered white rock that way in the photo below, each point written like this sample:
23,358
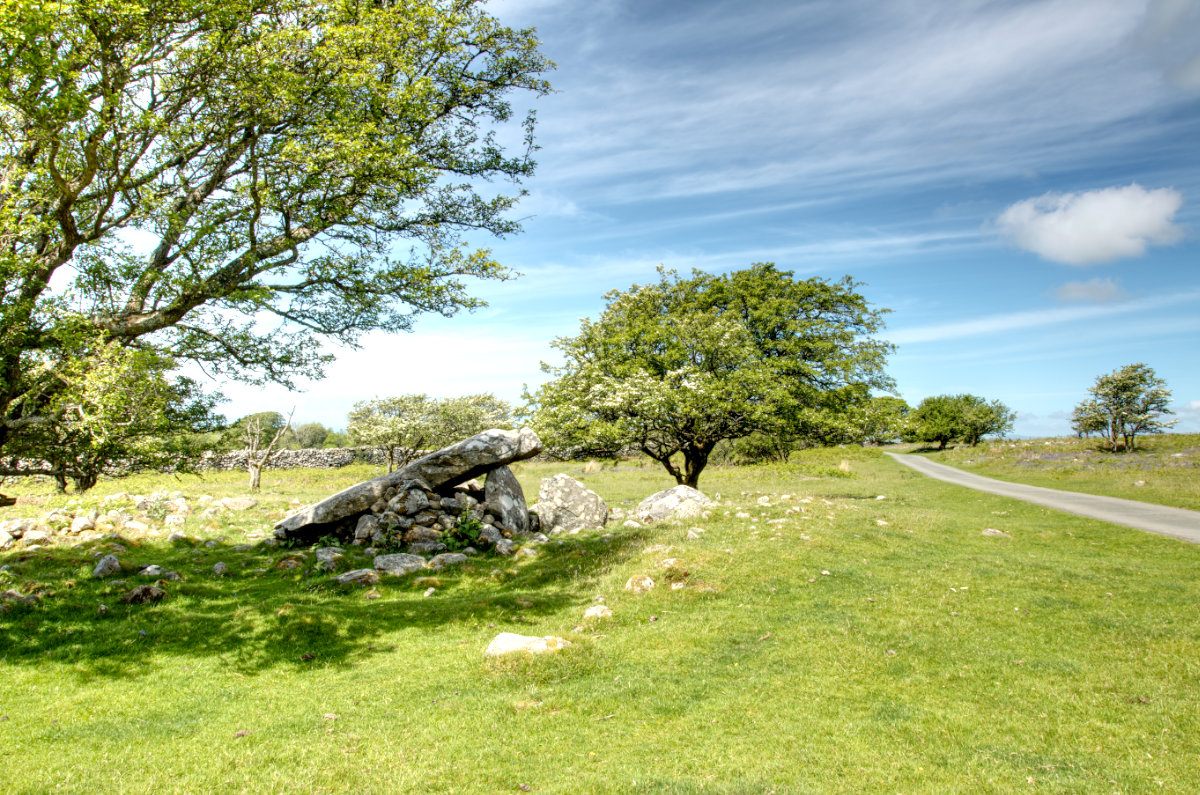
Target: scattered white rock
632,525
175,520
510,642
359,577
82,523
238,503
598,611
220,568
107,565
397,564
446,559
991,531
505,546
153,570
639,584
679,502
566,506
328,554
136,526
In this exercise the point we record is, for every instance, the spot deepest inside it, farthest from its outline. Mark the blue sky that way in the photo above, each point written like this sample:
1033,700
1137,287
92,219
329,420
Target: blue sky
1019,182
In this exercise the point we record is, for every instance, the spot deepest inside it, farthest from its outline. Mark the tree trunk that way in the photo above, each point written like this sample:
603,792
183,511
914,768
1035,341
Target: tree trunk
694,462
255,476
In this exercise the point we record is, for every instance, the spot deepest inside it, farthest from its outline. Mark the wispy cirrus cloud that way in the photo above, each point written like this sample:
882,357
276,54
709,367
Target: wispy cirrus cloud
1014,321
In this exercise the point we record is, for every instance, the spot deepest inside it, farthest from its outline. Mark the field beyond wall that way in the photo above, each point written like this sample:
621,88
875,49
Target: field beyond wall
839,624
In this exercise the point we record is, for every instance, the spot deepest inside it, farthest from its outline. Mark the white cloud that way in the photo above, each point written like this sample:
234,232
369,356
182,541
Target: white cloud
1188,415
1093,291
1095,226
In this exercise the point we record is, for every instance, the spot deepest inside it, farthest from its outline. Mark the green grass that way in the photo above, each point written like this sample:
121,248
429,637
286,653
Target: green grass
1162,469
929,659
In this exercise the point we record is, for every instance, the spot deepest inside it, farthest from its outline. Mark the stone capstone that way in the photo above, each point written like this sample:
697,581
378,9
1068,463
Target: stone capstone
680,502
567,506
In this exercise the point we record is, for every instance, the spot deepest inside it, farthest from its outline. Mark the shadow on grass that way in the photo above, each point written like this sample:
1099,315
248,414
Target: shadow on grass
258,617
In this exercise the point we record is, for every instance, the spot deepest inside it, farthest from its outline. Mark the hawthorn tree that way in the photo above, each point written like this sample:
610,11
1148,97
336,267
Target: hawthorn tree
192,176
1128,401
120,406
880,419
966,418
404,426
675,367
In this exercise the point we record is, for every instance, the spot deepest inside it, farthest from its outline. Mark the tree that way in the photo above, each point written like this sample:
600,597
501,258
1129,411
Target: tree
967,418
880,420
937,419
265,424
399,426
1088,418
675,367
118,407
310,435
188,175
406,425
1126,402
255,433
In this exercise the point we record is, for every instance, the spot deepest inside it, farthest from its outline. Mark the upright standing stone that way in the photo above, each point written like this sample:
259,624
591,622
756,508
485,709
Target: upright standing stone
504,498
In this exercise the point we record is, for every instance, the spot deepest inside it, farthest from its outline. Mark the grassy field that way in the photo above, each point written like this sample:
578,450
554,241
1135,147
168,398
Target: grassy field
835,631
1162,469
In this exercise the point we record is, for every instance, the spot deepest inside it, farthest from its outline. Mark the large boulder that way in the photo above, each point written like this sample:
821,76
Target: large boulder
567,506
680,502
505,500
444,468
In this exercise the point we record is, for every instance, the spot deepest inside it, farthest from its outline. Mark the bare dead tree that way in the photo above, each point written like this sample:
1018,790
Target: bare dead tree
257,456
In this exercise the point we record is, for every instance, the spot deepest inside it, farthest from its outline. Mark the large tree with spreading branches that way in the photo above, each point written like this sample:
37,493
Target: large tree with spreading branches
192,177
673,368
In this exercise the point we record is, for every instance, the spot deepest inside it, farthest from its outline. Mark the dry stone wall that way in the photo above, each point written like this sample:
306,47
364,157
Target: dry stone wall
333,458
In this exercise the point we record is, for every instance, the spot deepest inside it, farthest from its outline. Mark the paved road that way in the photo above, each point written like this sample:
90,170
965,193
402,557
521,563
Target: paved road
1174,522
